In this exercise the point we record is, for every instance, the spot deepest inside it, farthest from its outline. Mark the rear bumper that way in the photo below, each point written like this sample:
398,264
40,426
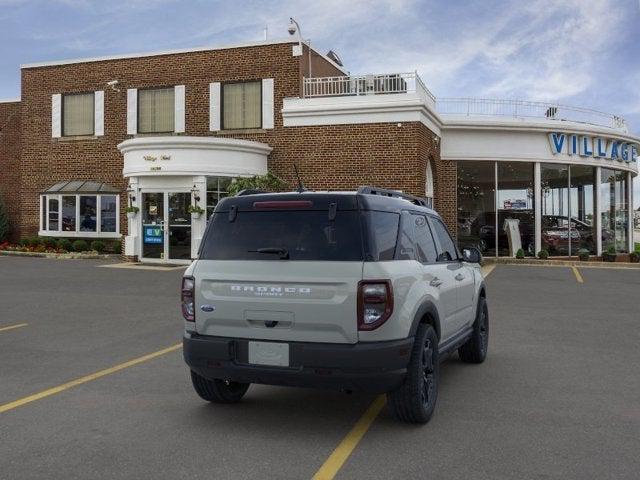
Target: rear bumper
373,367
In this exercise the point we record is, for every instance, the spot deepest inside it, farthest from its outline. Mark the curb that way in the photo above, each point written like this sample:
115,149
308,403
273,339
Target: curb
59,256
559,263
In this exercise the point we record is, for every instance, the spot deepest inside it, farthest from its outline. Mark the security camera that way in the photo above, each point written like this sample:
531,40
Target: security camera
291,29
112,83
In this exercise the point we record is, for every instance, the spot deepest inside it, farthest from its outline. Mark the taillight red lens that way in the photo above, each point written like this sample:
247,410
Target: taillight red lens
375,303
188,299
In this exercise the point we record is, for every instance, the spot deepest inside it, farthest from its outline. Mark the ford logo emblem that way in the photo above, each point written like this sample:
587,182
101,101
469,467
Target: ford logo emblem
207,308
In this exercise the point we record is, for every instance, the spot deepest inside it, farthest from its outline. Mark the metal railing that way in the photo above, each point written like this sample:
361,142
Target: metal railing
355,85
527,109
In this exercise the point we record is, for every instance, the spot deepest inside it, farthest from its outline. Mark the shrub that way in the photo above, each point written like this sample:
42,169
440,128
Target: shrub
634,257
583,254
268,182
34,242
48,242
65,244
520,253
98,246
80,246
24,242
4,222
116,246
611,250
543,254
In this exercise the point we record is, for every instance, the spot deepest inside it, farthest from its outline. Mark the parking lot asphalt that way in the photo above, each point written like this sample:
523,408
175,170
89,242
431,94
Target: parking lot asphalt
556,398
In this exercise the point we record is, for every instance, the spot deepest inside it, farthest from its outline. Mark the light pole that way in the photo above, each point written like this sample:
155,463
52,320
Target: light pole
294,27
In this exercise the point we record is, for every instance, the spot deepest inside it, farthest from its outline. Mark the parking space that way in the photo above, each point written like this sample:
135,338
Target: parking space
557,397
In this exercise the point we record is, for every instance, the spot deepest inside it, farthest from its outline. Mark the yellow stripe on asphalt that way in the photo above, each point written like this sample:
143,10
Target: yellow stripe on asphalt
334,463
11,327
94,376
576,272
487,269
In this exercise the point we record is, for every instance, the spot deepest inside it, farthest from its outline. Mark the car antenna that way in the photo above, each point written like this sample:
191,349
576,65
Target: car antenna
301,187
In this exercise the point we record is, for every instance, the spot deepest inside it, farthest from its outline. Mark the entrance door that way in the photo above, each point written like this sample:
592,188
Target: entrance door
166,227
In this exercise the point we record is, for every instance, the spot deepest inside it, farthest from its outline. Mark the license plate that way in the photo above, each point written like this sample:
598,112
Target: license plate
269,353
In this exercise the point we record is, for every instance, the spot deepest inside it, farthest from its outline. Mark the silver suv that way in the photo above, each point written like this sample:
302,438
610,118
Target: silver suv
356,291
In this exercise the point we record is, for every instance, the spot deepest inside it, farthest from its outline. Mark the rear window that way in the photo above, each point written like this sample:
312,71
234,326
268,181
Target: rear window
303,235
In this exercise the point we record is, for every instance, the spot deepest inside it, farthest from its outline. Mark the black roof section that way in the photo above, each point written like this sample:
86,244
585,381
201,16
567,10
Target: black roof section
81,186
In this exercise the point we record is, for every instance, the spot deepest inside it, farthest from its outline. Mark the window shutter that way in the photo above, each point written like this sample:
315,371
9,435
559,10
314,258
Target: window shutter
98,111
56,115
267,103
214,106
179,109
132,111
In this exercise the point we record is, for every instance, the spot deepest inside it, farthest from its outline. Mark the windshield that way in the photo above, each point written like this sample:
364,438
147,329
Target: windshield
284,235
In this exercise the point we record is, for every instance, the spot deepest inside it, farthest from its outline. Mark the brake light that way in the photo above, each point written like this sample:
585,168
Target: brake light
187,298
375,303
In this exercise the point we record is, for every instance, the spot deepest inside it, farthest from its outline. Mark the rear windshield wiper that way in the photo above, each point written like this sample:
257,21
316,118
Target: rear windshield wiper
282,252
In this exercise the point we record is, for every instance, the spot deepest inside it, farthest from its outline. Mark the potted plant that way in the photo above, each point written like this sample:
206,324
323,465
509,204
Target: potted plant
520,254
583,254
195,211
610,255
132,211
543,254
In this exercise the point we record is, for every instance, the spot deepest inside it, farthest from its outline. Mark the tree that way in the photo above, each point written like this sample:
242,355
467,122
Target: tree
4,222
268,182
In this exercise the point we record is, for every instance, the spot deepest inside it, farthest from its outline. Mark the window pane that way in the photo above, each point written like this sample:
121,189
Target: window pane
615,215
383,232
88,213
242,105
583,233
476,206
555,208
108,212
515,208
448,248
216,191
54,214
77,114
424,240
69,214
156,110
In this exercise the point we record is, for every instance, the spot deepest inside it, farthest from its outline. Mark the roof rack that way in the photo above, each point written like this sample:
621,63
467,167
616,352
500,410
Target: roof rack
367,190
250,191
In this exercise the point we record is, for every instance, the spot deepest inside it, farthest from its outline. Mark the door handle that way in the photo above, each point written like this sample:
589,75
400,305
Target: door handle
436,282
459,277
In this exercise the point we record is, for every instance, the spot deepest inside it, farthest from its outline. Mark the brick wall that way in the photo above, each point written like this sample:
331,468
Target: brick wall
10,161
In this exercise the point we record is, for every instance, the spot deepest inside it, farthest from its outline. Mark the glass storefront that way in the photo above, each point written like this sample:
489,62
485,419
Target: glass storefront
496,207
614,209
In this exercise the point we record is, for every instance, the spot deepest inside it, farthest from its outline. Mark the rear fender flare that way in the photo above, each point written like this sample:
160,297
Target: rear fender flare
427,308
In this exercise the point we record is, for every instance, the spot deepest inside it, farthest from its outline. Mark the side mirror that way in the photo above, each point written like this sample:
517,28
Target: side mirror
471,255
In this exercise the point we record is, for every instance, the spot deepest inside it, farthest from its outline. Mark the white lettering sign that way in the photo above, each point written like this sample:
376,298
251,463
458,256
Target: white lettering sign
597,147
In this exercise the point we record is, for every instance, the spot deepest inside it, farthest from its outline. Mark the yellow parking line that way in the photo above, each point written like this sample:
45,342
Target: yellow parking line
94,376
576,272
487,269
334,463
11,327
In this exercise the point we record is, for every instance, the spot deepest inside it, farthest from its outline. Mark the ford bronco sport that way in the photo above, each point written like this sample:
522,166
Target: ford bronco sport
356,291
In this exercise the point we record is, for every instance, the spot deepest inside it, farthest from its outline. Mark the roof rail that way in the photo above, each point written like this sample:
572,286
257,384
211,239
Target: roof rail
367,190
250,191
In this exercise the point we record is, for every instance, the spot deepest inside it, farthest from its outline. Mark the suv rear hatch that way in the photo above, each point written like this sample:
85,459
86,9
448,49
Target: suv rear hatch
281,267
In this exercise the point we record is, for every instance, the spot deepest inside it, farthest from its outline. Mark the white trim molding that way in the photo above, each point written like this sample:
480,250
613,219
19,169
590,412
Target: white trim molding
267,103
214,107
179,108
98,122
56,115
132,111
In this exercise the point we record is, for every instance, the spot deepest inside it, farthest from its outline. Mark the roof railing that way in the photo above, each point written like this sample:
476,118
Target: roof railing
383,192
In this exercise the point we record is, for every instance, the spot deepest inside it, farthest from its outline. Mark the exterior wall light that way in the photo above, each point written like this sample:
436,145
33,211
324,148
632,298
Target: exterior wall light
196,194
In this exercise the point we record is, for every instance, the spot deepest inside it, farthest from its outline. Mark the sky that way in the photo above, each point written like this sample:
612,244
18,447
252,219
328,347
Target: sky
577,52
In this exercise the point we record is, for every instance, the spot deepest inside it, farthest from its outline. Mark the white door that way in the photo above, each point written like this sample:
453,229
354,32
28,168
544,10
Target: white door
166,227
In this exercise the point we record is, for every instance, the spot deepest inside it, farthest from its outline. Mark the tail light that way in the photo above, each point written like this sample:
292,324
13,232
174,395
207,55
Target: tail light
188,299
375,303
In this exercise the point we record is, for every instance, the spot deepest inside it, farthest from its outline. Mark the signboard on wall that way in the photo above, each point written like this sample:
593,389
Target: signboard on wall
596,147
153,234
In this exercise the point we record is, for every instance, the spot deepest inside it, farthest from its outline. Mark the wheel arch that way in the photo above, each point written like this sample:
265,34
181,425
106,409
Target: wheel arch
427,313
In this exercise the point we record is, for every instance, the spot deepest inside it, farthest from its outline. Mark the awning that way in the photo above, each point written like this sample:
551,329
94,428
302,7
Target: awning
81,186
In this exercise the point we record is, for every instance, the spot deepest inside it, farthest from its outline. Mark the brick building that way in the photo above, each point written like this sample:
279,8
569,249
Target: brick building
168,130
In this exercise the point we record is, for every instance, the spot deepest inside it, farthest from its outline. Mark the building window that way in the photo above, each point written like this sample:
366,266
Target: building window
80,215
242,105
217,188
614,210
477,206
516,222
78,114
156,110
428,185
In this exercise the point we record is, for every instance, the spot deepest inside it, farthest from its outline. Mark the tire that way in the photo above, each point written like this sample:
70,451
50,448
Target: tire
475,349
218,391
415,400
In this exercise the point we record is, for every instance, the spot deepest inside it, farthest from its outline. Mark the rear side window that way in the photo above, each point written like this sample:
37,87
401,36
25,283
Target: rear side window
383,233
447,250
265,235
426,248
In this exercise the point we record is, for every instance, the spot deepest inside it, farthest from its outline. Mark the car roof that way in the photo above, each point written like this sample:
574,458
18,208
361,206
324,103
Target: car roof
345,200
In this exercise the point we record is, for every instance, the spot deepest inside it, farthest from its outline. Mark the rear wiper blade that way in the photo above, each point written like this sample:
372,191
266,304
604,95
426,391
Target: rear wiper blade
282,252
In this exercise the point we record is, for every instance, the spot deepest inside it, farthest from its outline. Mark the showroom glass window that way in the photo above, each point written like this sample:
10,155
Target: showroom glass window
476,206
582,206
614,209
555,208
80,215
78,114
515,204
156,110
217,189
242,105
